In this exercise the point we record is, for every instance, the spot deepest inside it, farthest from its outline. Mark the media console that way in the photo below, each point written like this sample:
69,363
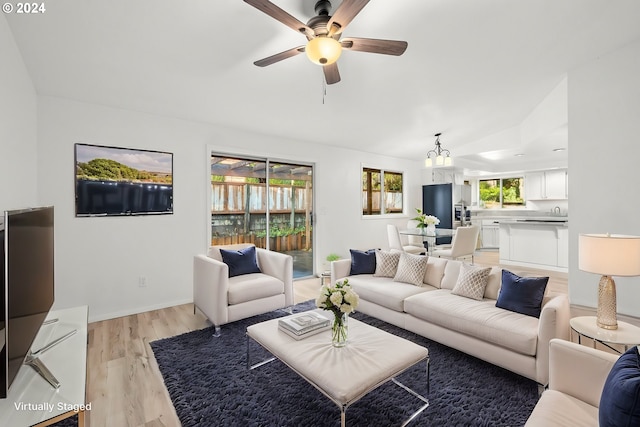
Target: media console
32,400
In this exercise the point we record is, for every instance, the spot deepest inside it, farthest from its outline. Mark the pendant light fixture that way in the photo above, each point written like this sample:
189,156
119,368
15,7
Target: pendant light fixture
442,156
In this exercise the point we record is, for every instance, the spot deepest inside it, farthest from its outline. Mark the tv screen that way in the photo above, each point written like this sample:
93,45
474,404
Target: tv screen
27,259
113,181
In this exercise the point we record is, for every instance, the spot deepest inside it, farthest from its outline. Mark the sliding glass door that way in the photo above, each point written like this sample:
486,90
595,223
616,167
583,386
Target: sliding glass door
267,203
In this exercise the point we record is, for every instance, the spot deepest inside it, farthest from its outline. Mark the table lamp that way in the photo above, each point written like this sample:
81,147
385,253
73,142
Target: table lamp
609,255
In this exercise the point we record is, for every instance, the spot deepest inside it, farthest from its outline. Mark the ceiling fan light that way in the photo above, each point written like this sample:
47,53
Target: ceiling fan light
323,50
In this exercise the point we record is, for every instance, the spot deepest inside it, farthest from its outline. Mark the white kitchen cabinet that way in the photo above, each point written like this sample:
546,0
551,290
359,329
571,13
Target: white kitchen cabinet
536,245
547,185
443,175
563,247
490,233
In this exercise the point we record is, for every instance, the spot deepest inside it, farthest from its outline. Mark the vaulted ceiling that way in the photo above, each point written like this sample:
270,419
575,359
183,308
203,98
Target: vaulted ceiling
473,68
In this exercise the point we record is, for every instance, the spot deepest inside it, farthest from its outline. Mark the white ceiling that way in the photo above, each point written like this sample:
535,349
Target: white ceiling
473,67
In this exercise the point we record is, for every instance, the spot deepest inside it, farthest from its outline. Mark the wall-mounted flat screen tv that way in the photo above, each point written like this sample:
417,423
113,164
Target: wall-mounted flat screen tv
113,181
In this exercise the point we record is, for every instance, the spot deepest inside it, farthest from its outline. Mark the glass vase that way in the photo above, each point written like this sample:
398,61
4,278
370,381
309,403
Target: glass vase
340,329
431,230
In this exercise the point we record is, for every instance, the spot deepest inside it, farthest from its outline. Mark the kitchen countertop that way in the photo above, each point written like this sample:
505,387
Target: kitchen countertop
513,219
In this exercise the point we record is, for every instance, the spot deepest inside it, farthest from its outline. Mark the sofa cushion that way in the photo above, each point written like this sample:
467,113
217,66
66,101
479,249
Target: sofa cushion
249,287
411,269
241,261
386,263
362,262
522,294
435,271
620,400
451,274
383,291
471,282
493,283
558,409
480,319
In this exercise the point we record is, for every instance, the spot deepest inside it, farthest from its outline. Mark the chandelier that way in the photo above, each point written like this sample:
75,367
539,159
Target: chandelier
441,155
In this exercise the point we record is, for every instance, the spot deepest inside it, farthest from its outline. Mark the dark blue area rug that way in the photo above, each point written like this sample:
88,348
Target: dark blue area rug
210,385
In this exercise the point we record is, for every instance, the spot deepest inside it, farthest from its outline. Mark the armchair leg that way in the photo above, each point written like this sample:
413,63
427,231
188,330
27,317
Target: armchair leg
217,331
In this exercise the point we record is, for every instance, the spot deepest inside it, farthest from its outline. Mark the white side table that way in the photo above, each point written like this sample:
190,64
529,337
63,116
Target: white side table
325,278
627,335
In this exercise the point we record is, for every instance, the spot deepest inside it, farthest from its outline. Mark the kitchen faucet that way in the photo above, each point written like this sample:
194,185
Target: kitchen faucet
556,210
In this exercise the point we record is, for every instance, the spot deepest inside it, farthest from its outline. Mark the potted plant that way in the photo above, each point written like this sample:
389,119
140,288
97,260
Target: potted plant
326,266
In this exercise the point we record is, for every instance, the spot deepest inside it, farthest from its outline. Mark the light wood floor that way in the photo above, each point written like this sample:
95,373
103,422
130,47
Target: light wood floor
124,384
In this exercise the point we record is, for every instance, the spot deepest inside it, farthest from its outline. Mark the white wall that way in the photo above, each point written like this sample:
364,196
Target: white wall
99,260
604,150
18,156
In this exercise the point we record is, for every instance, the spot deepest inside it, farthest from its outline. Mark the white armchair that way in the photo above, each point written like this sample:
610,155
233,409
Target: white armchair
223,299
576,378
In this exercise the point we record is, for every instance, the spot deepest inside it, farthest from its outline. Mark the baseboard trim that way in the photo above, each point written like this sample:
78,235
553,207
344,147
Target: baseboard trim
136,310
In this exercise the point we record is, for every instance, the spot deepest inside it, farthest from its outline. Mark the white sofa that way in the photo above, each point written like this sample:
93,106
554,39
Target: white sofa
511,340
225,299
576,378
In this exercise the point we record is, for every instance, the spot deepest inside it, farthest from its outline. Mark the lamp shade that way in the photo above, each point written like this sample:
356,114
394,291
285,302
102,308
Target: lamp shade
323,50
609,254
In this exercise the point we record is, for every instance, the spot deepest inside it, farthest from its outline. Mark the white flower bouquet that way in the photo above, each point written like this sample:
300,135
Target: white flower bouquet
425,219
431,220
341,300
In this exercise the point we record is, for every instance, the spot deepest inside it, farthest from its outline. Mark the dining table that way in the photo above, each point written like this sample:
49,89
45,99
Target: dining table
429,236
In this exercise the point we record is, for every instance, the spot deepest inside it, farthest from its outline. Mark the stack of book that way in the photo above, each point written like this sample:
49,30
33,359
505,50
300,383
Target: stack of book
302,325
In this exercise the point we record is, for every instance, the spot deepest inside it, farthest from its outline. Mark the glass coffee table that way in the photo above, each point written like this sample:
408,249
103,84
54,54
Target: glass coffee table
371,358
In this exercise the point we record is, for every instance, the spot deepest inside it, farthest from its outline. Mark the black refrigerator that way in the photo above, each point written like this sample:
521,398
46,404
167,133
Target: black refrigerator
437,200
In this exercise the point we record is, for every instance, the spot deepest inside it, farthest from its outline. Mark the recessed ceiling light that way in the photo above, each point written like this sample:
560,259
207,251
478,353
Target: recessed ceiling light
559,149
519,155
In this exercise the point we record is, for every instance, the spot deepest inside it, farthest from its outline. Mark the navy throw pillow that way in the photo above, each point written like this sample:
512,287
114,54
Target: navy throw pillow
620,400
362,262
522,294
240,262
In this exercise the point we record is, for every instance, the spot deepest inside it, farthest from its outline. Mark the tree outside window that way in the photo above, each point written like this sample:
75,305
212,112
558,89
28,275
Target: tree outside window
502,193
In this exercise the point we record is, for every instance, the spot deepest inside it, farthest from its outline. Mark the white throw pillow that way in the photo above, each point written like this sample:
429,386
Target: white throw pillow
386,263
471,282
411,269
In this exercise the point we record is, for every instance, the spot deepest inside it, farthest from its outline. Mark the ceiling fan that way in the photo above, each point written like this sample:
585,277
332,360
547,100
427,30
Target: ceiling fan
324,33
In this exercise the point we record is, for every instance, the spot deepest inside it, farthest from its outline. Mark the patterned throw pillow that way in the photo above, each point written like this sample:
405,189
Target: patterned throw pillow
471,282
386,263
411,269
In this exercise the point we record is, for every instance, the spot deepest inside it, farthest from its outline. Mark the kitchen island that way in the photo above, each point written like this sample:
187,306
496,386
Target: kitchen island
535,242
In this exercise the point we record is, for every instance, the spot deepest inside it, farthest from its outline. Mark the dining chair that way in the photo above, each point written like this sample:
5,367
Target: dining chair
396,243
463,244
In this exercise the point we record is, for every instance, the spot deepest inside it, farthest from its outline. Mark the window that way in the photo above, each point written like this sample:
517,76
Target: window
381,192
502,193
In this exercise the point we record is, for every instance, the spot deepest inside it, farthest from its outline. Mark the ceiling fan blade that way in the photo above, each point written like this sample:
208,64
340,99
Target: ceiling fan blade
344,14
279,56
386,47
331,73
276,13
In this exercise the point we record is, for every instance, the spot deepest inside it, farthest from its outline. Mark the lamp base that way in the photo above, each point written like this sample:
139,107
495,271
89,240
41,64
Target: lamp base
606,313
